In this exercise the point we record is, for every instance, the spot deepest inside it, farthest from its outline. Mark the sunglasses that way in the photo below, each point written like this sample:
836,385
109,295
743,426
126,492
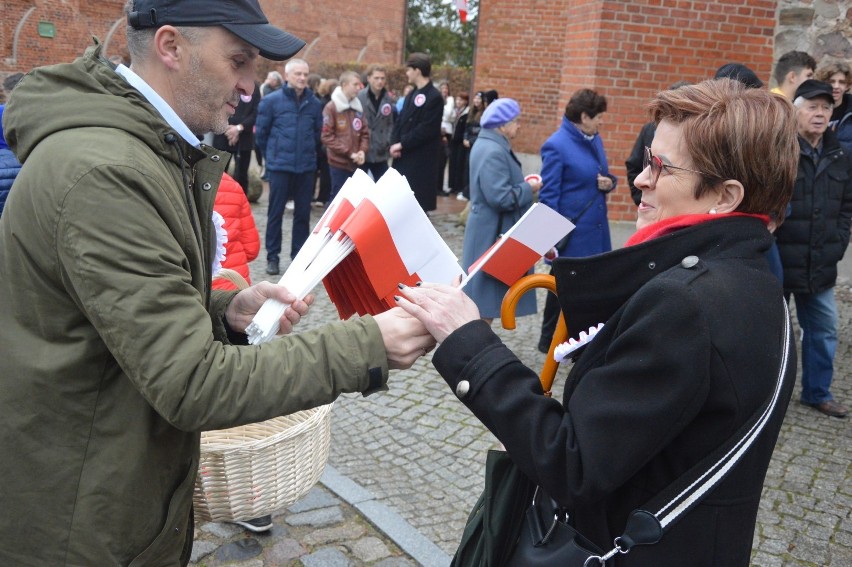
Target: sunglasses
657,165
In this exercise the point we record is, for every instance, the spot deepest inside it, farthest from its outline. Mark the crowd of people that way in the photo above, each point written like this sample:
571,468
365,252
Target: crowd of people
120,348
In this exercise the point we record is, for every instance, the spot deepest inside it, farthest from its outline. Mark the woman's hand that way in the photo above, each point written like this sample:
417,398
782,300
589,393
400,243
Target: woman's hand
604,183
441,308
245,305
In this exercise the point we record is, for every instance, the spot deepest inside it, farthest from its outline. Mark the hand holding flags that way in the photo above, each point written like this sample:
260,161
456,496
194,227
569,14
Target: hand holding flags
461,6
392,239
516,251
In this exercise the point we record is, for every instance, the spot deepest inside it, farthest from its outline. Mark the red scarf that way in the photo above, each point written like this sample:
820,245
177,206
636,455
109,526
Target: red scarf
673,224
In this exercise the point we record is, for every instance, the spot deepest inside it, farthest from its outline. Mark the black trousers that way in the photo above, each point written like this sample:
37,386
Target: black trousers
549,320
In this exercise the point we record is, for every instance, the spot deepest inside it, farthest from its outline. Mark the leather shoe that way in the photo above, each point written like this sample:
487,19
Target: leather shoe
830,408
272,268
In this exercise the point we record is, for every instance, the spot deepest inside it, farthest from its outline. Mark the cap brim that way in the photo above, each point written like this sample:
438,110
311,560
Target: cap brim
273,43
809,95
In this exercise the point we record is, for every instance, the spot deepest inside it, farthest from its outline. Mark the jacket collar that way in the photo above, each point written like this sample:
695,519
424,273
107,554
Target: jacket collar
593,288
341,104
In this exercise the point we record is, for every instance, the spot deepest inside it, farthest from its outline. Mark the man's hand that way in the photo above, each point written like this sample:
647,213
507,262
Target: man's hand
396,150
232,133
246,304
405,338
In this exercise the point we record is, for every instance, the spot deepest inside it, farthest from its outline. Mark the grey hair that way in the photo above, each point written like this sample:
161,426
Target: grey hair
293,62
139,41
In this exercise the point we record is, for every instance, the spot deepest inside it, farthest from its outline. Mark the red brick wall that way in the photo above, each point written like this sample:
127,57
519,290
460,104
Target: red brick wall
542,51
372,31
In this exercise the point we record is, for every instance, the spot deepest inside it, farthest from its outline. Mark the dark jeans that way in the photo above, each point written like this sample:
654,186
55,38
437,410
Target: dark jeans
242,160
324,177
376,168
284,186
338,178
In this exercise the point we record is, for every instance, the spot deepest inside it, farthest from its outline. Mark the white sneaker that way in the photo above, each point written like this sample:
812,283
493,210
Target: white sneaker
289,206
461,197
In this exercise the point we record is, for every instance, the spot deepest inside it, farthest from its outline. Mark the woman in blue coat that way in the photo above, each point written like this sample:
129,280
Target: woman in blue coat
499,196
575,180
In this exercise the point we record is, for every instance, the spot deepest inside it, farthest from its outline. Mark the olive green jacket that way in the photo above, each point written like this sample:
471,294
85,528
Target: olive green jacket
115,353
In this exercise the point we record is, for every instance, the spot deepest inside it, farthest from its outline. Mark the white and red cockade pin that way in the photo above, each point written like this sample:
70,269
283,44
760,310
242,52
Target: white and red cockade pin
562,351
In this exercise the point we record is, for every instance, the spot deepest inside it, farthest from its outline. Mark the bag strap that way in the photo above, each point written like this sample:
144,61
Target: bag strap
647,525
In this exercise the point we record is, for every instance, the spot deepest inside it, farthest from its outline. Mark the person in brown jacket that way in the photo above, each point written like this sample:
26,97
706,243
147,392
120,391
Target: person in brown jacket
344,131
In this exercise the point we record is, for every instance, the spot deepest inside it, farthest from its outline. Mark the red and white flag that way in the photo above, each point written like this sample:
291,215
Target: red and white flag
395,242
521,246
461,6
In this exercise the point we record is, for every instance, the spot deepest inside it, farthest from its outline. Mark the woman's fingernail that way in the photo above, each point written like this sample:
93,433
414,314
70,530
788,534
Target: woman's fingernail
418,284
400,286
397,298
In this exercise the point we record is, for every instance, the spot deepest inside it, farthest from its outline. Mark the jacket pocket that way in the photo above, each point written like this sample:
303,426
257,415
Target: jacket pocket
166,549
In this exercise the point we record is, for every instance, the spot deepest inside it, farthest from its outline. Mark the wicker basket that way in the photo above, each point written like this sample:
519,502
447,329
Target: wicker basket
249,471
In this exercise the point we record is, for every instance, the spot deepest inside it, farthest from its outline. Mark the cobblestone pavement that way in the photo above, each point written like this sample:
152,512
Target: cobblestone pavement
421,453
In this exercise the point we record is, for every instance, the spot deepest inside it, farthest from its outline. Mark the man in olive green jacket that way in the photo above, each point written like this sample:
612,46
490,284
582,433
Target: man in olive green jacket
115,352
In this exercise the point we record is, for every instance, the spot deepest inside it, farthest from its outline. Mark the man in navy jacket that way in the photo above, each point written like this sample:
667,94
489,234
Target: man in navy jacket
289,122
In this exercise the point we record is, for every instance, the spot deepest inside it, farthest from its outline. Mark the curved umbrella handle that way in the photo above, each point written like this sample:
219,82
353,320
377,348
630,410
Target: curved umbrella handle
507,318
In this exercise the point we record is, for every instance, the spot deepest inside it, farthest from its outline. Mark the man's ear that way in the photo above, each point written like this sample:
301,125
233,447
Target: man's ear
790,77
169,47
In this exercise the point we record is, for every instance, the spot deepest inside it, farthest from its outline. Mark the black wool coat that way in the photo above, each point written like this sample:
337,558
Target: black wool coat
418,128
814,237
687,354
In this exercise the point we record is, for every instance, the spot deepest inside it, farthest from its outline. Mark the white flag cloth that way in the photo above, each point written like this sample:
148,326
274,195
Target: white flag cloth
372,237
516,251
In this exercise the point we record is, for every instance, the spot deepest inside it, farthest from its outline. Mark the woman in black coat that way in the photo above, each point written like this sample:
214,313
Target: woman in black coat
691,346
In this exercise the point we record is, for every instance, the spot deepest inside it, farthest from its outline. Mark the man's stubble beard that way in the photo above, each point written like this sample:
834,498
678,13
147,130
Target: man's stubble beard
192,100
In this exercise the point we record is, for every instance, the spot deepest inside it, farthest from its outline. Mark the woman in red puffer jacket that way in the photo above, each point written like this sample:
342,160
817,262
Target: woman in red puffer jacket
243,239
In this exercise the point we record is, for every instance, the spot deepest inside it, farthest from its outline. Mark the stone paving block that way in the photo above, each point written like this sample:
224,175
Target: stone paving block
201,549
324,536
283,551
316,518
221,529
315,498
394,562
326,557
369,549
240,550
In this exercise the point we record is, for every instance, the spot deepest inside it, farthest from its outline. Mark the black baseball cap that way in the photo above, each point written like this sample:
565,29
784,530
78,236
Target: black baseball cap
243,18
812,88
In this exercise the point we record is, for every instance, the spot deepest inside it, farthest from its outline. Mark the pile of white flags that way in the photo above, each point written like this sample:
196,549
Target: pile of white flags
373,236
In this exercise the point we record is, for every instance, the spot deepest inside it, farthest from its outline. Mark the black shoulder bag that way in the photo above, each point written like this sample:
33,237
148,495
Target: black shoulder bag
514,524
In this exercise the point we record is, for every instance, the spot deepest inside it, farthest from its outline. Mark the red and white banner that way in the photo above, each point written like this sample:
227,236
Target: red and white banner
516,251
461,6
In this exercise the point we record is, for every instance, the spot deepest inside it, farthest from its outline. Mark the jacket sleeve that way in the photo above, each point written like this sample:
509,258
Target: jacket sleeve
161,334
624,411
263,123
551,175
248,231
495,177
364,146
844,222
428,128
328,136
634,162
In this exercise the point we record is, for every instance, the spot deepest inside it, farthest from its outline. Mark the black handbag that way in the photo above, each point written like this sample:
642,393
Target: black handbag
500,533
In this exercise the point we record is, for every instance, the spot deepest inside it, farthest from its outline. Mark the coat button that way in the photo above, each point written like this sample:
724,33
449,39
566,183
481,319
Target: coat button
215,158
689,262
462,388
207,187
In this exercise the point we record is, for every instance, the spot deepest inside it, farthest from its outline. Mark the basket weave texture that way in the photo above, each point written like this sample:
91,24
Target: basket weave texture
251,470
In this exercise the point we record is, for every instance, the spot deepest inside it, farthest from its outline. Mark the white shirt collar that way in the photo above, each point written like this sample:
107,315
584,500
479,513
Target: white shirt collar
161,105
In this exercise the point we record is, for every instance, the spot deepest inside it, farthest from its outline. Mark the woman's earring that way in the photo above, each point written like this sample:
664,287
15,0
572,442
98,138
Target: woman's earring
712,211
